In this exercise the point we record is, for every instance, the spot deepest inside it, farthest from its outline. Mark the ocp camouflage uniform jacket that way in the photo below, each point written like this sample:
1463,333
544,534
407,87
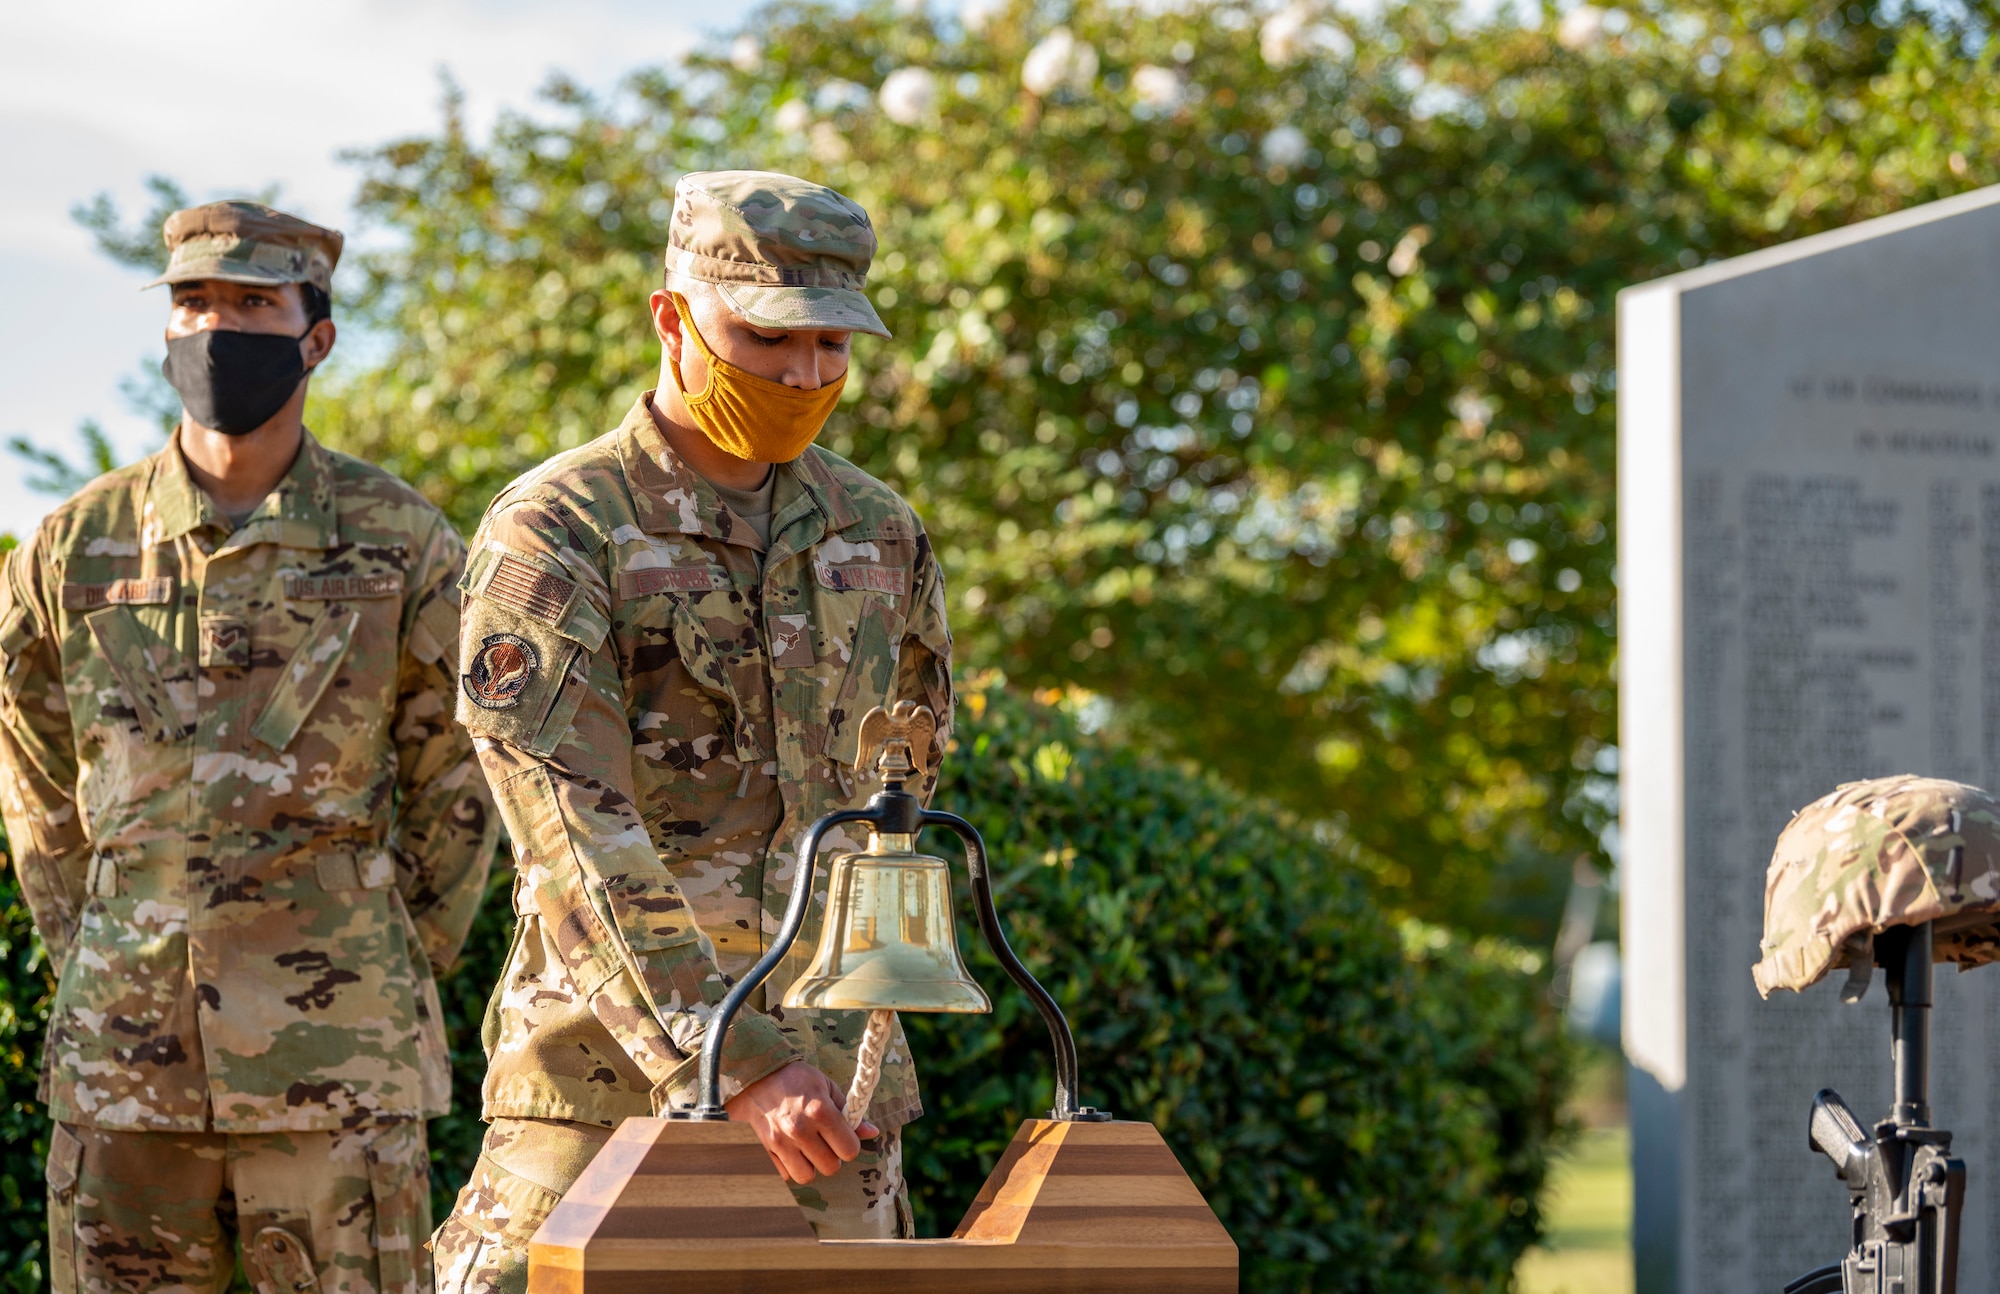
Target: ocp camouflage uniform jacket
663,709
243,818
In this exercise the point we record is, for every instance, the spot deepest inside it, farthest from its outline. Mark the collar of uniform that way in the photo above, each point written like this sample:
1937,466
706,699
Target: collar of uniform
301,507
674,499
176,503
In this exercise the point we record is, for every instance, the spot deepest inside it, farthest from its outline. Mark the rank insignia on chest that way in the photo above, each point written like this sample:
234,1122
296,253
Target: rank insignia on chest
225,642
791,642
500,671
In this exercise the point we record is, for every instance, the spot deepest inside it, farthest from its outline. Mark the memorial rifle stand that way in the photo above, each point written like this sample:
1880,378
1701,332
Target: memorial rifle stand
1906,1190
1078,1203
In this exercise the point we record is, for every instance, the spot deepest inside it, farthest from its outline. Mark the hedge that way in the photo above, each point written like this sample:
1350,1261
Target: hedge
1369,1104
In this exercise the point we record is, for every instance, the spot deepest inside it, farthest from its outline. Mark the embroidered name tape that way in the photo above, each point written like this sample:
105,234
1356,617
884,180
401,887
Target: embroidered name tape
880,579
667,579
88,597
328,588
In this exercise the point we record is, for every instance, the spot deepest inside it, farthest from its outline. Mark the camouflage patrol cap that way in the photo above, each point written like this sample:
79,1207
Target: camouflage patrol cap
1893,851
782,252
248,242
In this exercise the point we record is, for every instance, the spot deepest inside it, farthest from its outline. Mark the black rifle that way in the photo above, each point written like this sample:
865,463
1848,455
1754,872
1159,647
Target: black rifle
1905,1186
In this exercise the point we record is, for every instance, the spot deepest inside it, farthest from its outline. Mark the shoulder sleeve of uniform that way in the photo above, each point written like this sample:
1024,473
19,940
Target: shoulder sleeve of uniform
21,620
536,604
434,599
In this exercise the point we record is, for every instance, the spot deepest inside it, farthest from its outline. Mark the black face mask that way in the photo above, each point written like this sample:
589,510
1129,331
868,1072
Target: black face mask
234,381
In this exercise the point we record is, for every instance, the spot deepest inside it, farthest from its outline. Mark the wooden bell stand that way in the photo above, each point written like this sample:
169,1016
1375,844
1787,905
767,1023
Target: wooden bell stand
1077,1204
670,1205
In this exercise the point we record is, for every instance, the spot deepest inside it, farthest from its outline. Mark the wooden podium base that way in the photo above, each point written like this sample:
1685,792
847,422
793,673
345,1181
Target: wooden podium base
1072,1207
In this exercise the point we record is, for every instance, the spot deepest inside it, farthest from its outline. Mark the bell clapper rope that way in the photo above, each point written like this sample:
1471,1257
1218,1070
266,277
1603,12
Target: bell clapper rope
868,1066
896,762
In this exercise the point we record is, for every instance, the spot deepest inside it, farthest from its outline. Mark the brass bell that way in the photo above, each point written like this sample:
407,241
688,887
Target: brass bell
889,943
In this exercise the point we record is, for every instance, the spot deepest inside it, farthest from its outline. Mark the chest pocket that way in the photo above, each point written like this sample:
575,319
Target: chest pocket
867,680
306,676
134,657
726,658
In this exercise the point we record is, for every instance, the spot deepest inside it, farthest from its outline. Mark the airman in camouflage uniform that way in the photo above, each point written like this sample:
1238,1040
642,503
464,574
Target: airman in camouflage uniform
665,694
246,824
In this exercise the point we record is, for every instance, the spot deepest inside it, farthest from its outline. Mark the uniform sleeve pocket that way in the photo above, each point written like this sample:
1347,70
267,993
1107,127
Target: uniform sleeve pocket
128,651
662,947
434,637
306,676
17,630
651,914
17,634
523,686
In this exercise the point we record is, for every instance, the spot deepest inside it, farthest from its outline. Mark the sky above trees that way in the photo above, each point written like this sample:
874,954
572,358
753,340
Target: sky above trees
94,98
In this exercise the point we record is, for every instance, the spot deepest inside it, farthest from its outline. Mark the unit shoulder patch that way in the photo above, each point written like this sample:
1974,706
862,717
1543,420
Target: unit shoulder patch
500,671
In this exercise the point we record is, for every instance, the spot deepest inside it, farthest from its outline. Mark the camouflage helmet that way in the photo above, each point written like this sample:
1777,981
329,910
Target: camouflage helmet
1892,851
782,252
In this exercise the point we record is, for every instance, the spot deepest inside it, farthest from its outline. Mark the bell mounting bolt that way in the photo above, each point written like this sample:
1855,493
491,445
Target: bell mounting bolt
898,743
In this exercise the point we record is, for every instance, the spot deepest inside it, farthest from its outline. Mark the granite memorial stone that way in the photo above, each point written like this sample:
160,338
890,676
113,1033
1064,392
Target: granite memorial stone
1809,572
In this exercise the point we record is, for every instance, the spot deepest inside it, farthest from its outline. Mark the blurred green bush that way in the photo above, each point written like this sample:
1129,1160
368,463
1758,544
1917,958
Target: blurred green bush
25,991
1369,1104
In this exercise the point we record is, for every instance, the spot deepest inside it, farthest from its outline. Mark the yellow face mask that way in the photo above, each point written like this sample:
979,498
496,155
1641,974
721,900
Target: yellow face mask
751,417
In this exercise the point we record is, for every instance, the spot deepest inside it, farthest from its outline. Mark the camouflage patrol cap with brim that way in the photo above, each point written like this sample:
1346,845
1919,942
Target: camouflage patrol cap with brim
1893,851
782,252
248,242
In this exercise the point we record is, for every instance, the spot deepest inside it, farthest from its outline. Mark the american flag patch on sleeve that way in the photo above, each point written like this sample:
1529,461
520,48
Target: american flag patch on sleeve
533,592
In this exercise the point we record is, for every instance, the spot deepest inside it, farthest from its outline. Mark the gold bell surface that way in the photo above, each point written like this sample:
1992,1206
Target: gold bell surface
889,942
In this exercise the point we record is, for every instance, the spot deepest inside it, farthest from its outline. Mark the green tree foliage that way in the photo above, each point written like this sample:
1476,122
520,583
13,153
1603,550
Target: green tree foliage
24,1129
1366,1105
59,476
1253,371
138,244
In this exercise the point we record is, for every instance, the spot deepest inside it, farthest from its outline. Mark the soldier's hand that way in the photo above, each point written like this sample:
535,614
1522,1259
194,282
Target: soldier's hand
796,1114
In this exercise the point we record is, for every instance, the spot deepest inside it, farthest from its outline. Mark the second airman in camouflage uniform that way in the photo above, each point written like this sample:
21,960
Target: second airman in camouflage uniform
664,678
242,815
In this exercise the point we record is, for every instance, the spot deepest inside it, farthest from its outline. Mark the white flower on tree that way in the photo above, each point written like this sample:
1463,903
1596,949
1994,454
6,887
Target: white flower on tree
826,144
1157,88
792,116
838,94
1284,146
1292,35
1059,61
978,15
1581,28
746,53
908,94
